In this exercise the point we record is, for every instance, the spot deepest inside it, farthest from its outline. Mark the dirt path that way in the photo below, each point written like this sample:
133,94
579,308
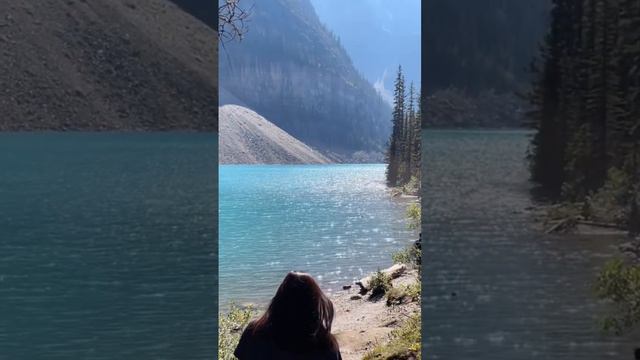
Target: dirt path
360,324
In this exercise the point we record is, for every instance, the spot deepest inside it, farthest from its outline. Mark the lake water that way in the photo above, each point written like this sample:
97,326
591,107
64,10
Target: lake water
519,294
337,222
107,246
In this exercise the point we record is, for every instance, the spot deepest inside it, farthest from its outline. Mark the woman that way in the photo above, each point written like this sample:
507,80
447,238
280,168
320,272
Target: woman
295,326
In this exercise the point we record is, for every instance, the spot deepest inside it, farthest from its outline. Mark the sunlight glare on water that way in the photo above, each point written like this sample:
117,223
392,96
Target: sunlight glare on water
337,222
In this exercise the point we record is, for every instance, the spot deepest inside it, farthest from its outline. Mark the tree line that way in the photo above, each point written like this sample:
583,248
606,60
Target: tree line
586,101
404,151
477,45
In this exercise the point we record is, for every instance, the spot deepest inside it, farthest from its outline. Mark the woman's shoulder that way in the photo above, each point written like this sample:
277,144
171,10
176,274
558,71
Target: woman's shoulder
249,342
251,326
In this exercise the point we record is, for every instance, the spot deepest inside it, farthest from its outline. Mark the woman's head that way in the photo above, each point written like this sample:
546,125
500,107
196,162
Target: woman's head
299,315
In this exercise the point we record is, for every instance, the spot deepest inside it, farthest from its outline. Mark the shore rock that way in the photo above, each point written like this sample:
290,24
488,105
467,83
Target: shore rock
360,325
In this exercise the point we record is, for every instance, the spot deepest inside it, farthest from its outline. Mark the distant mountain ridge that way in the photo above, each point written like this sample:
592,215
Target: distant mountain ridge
292,70
395,28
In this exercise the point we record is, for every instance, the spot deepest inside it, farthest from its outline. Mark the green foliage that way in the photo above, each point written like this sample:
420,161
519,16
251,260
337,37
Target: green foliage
585,99
611,202
230,329
414,213
404,152
410,256
379,284
620,284
412,187
578,155
404,342
400,294
565,211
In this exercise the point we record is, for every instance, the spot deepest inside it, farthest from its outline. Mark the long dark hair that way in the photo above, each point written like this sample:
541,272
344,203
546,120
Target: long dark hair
299,316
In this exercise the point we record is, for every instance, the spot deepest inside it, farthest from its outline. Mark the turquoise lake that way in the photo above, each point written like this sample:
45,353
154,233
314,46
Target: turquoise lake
107,246
519,293
337,222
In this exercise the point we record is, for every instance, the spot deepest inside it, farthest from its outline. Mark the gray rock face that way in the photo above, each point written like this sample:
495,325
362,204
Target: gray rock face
105,65
248,138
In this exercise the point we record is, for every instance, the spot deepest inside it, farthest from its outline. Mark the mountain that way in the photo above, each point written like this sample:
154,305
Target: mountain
248,138
476,45
204,10
394,28
105,65
291,69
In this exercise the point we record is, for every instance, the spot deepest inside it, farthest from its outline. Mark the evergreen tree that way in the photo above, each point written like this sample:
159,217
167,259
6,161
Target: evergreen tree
586,101
403,155
395,143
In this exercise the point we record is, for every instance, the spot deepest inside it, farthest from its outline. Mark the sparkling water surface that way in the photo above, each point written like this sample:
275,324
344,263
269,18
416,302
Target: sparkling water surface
494,286
337,222
107,246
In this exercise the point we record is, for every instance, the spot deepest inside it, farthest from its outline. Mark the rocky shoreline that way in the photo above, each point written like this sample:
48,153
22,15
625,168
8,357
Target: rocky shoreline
362,323
545,221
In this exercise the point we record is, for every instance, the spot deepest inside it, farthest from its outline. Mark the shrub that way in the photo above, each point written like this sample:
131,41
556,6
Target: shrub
414,213
395,296
414,291
620,284
412,187
566,210
404,342
410,255
398,295
230,329
611,202
379,284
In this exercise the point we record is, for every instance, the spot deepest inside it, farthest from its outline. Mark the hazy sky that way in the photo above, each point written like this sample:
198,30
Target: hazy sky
378,35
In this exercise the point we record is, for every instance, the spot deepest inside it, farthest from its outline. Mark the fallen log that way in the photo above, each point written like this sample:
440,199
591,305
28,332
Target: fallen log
562,226
393,272
600,224
569,224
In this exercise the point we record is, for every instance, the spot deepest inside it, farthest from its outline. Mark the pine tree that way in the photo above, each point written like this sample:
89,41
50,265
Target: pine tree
403,155
395,143
586,100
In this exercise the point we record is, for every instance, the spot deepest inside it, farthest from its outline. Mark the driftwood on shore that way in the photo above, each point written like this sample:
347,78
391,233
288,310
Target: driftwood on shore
570,224
393,272
562,226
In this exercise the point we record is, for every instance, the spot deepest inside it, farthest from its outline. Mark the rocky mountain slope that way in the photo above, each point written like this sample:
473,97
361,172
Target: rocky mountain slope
293,70
248,138
105,65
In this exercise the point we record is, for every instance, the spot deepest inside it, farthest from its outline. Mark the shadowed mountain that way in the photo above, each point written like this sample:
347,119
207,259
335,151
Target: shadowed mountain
292,70
205,10
395,26
105,65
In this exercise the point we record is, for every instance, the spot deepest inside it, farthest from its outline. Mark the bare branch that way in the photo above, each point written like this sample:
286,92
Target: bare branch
232,21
